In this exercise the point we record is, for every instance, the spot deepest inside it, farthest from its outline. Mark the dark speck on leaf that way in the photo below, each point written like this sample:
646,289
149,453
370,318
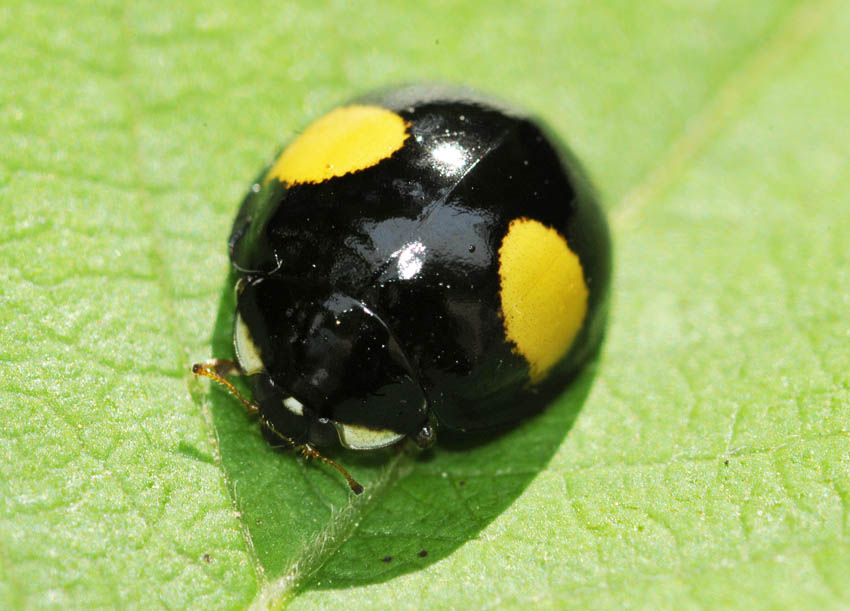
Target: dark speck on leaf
423,553
726,462
387,559
207,558
462,483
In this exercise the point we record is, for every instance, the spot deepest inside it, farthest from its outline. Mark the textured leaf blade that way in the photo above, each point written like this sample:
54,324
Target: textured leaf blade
708,463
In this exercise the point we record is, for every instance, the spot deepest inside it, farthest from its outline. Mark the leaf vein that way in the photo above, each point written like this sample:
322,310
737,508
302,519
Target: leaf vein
801,23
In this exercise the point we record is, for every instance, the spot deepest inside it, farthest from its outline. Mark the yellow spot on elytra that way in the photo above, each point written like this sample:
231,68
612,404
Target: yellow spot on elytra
544,295
345,140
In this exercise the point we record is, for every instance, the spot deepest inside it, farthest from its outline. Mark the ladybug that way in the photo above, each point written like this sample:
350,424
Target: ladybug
416,261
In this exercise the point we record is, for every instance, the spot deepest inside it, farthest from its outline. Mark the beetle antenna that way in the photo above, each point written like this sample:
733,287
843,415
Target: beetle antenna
215,370
308,451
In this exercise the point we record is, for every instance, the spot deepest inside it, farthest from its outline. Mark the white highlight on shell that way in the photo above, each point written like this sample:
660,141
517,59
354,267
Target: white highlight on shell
410,259
356,437
294,405
450,157
246,350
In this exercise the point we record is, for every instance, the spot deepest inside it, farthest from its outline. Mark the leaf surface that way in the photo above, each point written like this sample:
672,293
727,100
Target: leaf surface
703,460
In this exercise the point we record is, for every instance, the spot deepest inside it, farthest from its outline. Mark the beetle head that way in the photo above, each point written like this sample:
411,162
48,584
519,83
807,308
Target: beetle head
321,360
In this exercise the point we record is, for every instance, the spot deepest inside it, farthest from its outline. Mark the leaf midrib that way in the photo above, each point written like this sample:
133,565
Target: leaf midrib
339,528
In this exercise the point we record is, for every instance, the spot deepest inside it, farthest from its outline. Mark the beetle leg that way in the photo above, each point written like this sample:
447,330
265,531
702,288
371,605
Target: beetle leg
215,370
225,367
308,451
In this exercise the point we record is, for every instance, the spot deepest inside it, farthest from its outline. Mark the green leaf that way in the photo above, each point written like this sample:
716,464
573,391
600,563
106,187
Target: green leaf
703,460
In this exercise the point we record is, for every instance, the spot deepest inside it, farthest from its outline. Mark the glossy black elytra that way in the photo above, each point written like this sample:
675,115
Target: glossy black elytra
413,262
